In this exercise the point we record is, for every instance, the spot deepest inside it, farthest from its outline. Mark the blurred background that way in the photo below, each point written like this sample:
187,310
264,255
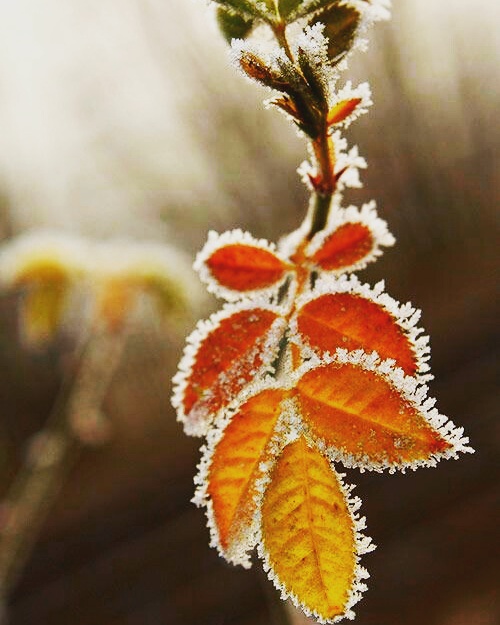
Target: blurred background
125,118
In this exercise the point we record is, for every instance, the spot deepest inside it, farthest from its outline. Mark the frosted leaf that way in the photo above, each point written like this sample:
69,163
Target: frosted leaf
224,354
366,216
251,276
361,545
404,316
270,58
413,395
236,462
361,92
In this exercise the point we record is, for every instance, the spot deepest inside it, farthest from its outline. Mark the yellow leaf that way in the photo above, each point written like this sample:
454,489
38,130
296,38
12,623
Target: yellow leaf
341,110
235,467
308,532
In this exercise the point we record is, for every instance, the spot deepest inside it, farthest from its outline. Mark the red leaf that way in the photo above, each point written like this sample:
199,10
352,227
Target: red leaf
245,268
349,321
350,243
220,362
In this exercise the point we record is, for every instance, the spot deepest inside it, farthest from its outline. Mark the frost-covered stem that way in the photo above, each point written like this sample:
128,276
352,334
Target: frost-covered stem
324,152
52,453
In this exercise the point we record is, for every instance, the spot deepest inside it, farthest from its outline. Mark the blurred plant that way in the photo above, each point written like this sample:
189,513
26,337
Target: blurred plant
96,292
305,366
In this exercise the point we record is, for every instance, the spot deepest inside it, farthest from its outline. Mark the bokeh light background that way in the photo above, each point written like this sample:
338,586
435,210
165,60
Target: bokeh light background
126,118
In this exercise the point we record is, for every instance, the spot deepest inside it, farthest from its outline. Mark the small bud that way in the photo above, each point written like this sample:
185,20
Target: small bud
255,68
313,73
286,104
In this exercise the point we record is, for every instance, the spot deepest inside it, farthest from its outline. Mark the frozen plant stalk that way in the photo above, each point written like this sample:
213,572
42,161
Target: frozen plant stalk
305,366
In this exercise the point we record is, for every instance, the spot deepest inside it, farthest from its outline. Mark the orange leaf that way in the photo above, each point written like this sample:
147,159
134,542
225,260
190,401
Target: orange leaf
235,467
308,532
219,363
349,321
347,245
341,110
365,416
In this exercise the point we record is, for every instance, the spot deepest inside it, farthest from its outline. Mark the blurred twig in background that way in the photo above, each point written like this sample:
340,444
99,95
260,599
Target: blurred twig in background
77,419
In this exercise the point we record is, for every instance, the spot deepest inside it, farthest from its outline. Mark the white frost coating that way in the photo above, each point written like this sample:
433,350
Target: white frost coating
34,249
373,10
289,243
366,216
197,421
270,53
347,92
240,551
217,241
351,162
306,171
405,315
312,41
314,44
363,544
347,165
415,394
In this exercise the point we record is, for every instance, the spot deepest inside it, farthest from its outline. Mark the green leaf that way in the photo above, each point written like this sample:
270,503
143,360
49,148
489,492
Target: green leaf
233,25
246,8
308,7
287,7
341,23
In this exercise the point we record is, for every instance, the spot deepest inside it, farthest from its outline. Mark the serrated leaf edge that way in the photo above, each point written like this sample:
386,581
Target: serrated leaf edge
194,341
412,391
215,242
367,216
405,315
363,545
242,553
